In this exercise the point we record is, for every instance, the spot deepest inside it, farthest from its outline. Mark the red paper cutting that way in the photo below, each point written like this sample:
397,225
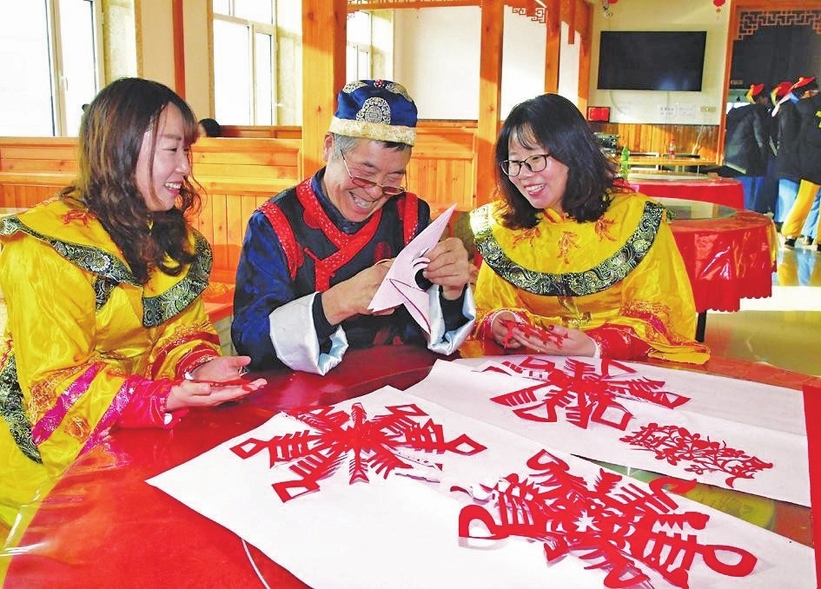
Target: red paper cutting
618,526
676,444
582,392
375,444
545,336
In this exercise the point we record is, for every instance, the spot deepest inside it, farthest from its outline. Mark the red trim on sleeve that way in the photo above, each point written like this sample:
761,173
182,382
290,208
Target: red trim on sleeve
200,350
147,406
619,343
193,360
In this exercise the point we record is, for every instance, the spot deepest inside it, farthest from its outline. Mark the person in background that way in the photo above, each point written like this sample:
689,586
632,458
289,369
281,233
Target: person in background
314,255
768,195
573,261
787,167
809,169
209,128
106,324
746,144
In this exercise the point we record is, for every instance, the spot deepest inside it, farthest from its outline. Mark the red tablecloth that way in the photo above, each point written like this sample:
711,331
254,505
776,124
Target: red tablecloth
723,191
103,526
728,259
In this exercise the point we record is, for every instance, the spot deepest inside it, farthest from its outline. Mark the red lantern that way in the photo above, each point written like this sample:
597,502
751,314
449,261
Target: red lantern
614,1
717,3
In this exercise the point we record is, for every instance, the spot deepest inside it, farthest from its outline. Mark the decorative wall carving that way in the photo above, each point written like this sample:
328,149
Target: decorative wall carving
751,21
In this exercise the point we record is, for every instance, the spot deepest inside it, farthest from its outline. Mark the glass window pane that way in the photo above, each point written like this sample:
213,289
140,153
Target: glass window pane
351,63
232,73
359,28
25,70
255,10
222,7
289,15
264,83
289,79
80,83
363,70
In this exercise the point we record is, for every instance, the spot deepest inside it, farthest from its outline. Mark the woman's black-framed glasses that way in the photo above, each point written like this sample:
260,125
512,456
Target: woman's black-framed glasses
535,163
388,191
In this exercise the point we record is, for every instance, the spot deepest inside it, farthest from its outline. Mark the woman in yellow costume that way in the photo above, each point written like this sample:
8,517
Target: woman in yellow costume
106,324
573,262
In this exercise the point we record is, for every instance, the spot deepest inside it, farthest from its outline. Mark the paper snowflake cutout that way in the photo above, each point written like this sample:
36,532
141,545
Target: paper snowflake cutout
584,394
392,442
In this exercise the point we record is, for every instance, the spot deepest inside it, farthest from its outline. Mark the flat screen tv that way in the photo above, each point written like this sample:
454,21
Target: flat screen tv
651,60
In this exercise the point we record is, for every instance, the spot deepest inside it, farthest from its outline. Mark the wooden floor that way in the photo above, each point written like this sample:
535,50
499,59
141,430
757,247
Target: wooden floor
783,330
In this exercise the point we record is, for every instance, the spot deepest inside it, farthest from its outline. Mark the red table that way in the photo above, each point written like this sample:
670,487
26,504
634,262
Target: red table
723,191
103,526
729,254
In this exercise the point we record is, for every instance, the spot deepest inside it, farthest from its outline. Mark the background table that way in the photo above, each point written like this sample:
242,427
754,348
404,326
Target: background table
697,187
679,162
729,254
104,526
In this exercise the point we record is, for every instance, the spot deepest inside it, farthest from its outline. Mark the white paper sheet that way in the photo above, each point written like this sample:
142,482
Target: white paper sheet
764,421
403,532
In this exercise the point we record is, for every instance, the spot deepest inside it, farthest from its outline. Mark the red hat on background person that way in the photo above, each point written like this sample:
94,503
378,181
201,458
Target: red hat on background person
780,91
755,92
803,84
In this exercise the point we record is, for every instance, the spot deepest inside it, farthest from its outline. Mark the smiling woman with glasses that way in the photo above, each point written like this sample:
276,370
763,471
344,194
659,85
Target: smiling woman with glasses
574,262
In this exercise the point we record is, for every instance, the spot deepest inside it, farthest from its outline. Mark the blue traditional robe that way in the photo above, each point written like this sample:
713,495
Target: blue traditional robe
298,245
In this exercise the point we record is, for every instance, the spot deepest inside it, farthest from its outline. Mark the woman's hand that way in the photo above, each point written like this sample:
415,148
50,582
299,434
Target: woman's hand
215,382
221,368
556,340
500,329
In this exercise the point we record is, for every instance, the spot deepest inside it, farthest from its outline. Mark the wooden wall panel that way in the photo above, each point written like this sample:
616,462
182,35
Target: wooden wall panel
262,131
239,174
649,138
43,154
25,195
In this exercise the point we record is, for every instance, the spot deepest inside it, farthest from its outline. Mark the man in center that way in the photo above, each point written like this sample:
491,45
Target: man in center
315,254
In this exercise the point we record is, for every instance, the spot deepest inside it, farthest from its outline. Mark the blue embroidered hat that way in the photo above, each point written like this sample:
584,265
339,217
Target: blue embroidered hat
375,109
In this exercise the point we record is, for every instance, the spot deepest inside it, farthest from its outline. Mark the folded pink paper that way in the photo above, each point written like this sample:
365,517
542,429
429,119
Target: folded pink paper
399,285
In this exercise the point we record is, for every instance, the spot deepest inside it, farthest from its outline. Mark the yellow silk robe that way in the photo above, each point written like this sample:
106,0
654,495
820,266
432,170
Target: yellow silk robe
623,270
83,340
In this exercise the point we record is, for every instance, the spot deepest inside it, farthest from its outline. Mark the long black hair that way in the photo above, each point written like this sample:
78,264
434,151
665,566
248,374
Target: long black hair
553,123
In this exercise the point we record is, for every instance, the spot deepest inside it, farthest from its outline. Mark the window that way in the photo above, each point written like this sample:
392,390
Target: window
258,58
256,55
370,37
358,56
48,64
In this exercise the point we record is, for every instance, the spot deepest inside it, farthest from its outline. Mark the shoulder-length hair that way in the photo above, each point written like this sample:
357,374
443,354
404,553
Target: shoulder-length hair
111,135
553,123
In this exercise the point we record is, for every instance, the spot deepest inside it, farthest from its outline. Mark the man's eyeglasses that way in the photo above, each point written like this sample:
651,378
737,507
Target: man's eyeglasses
535,163
368,184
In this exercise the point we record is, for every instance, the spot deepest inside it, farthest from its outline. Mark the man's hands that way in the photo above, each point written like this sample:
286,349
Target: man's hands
449,267
352,297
